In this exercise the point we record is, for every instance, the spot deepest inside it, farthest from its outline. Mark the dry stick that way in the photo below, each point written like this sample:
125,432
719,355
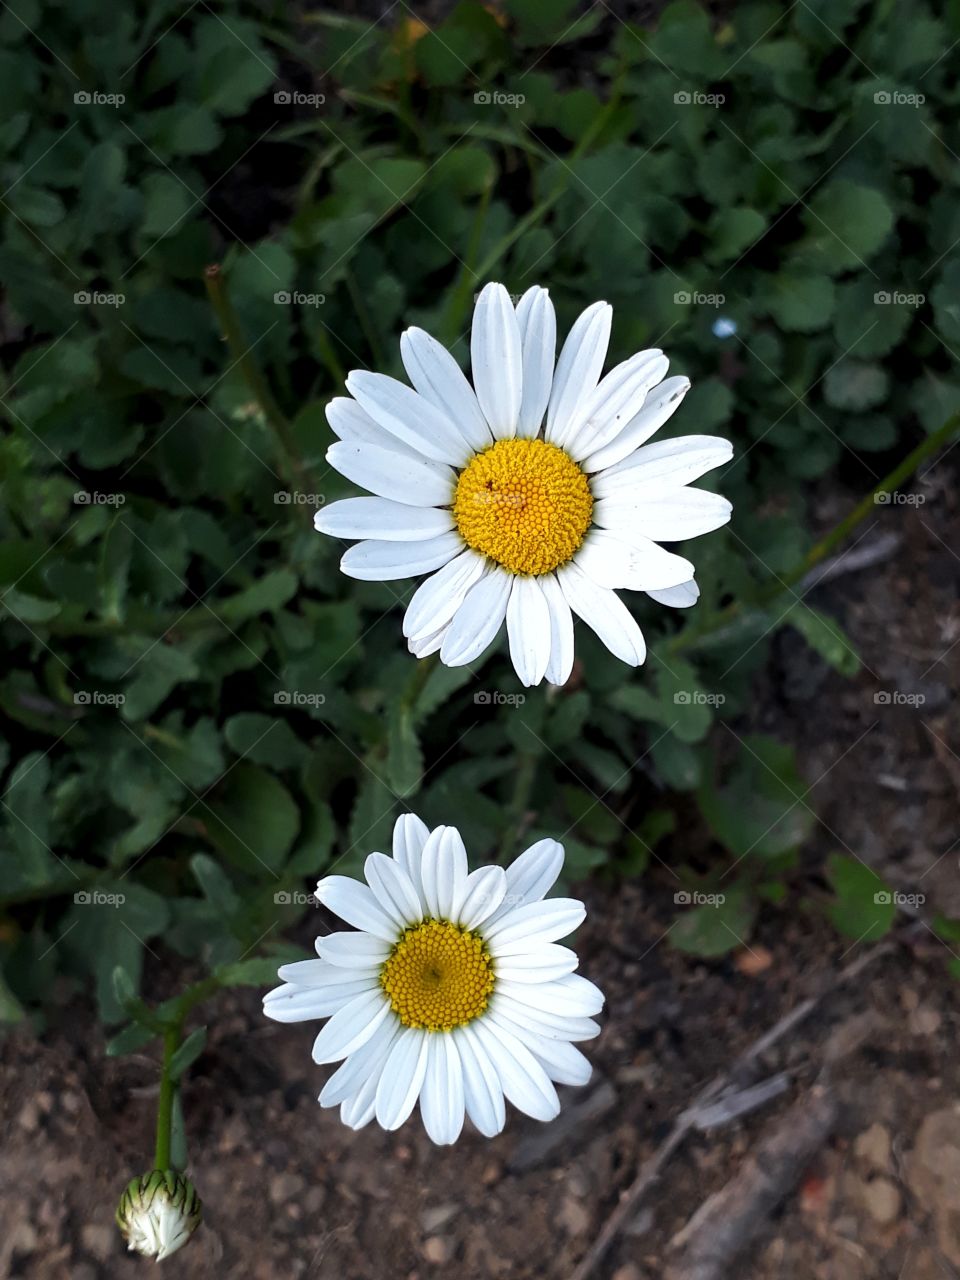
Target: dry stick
729,1220
649,1171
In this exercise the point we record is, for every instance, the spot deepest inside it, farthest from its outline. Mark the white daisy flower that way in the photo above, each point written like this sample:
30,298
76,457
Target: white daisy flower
452,991
530,496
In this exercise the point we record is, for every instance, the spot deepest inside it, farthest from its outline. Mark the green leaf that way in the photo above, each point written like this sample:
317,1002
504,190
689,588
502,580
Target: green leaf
267,595
713,923
260,971
188,1052
801,303
846,226
404,757
826,636
252,819
853,384
761,809
863,908
265,740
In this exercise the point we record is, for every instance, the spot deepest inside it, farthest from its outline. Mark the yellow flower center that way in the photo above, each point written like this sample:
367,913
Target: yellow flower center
524,503
438,976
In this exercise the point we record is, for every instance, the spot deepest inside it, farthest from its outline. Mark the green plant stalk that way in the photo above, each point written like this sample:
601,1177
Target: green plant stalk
250,368
820,550
171,1042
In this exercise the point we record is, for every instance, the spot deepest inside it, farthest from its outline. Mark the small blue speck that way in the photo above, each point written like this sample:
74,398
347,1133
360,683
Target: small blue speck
724,328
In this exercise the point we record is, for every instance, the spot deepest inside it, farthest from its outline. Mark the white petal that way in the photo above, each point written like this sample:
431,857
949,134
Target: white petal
528,630
353,950
538,340
621,557
355,426
531,875
578,369
303,1004
409,837
496,360
552,1026
443,867
617,400
440,380
437,599
483,1093
358,1111
355,903
393,889
441,1098
402,1078
542,963
679,597
562,1062
484,892
660,404
416,482
320,973
561,631
571,996
664,464
366,1063
477,621
523,1079
534,922
408,416
421,646
381,518
351,1027
604,613
384,561
670,515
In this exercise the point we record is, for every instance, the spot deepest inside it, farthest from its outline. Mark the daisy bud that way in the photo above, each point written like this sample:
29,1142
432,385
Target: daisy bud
158,1212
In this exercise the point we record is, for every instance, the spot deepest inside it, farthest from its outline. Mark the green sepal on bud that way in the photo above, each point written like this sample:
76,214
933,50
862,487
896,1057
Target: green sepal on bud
158,1212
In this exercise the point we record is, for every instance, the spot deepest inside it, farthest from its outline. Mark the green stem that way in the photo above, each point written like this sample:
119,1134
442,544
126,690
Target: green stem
171,1042
252,373
820,550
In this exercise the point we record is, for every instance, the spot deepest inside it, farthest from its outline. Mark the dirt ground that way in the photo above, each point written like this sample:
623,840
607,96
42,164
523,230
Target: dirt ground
288,1192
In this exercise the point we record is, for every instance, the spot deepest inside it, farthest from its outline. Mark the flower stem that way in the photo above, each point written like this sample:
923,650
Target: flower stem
171,1042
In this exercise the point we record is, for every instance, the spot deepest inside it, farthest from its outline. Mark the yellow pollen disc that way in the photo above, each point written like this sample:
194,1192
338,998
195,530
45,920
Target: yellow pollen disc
438,976
524,503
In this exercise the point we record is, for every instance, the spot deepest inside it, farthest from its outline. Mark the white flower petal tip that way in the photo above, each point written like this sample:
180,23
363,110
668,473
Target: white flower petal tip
451,995
449,464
